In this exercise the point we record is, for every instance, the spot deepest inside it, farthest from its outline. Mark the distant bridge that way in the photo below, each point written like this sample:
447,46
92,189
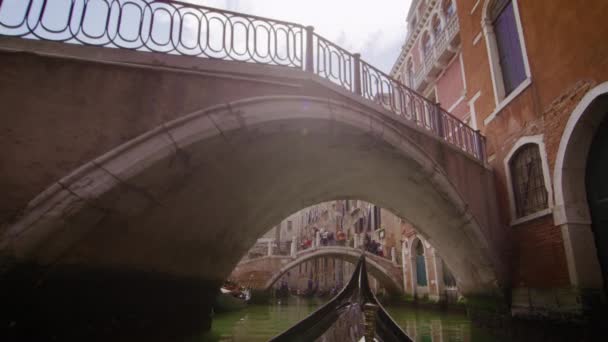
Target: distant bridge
269,269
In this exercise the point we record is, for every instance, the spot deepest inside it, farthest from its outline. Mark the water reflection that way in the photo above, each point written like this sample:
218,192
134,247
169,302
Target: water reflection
425,325
260,322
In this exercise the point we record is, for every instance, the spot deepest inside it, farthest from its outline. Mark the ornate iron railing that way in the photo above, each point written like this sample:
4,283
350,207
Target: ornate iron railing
333,62
160,26
180,28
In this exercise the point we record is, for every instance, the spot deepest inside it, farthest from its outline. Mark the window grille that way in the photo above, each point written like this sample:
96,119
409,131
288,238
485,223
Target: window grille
529,190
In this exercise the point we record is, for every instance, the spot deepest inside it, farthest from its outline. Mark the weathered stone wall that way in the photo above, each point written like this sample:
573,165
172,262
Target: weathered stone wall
147,159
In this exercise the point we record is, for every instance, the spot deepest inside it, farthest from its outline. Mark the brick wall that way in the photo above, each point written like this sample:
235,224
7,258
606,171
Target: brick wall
538,258
557,114
567,54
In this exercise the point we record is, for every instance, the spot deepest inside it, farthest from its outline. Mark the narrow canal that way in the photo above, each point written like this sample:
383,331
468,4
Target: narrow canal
261,322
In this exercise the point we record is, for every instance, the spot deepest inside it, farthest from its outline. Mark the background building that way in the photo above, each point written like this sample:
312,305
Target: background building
431,59
424,272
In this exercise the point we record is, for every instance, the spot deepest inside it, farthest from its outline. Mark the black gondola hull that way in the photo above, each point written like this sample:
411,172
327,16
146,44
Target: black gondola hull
342,318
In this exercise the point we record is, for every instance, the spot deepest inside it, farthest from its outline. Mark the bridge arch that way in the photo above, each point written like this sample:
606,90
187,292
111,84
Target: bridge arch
350,255
154,201
161,190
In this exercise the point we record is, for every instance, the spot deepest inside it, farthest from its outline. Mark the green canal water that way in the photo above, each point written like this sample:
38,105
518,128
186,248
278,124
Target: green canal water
261,322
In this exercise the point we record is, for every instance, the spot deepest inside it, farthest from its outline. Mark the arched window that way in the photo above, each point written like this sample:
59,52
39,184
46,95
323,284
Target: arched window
410,73
448,8
505,46
420,265
528,182
426,44
436,26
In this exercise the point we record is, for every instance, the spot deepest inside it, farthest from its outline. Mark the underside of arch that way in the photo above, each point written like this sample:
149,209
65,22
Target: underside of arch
190,197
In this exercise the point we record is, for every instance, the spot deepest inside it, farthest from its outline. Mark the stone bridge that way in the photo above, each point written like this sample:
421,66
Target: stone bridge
133,181
269,269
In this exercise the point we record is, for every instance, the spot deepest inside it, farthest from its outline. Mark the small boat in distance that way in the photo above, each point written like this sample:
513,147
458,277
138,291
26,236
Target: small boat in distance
354,315
232,297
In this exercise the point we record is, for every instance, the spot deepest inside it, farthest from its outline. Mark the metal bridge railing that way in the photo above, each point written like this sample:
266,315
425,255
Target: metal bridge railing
180,28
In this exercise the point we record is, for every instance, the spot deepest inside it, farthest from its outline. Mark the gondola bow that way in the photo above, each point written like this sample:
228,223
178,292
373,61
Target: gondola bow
344,317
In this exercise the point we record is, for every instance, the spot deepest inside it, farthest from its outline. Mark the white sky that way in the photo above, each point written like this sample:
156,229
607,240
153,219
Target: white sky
376,29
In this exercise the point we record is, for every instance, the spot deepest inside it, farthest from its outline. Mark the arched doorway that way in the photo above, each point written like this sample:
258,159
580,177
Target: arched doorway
419,269
578,182
420,265
597,193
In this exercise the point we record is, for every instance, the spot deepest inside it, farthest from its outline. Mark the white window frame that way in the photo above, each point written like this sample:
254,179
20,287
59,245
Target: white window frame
500,98
538,140
464,74
473,111
475,6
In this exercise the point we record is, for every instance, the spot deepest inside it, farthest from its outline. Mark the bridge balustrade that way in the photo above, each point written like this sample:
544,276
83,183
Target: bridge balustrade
179,28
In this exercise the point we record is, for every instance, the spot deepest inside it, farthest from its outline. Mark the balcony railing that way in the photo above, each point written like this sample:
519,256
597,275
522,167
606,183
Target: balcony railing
178,28
439,47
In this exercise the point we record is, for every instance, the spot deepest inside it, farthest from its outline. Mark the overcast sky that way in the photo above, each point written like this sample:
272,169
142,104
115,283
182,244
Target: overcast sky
376,29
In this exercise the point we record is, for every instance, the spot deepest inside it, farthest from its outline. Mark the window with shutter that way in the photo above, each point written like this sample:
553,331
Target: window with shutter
509,47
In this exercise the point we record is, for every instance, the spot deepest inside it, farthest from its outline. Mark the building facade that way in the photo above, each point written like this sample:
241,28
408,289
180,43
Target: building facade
535,82
425,275
431,59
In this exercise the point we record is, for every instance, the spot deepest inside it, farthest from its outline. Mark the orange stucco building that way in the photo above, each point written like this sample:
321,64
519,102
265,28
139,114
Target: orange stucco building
534,82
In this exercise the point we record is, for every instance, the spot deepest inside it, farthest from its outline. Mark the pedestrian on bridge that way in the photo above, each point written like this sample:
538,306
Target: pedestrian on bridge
341,238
